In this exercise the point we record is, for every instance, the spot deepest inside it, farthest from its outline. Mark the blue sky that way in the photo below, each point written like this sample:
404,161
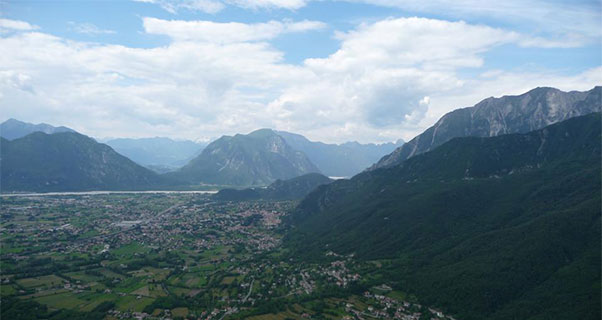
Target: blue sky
366,70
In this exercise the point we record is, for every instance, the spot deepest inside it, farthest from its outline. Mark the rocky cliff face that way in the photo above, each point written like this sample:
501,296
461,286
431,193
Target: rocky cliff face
496,116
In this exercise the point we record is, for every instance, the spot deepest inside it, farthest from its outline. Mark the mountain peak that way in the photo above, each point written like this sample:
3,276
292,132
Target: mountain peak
529,111
257,158
13,129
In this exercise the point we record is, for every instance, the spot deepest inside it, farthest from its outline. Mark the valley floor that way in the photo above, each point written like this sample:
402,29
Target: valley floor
176,255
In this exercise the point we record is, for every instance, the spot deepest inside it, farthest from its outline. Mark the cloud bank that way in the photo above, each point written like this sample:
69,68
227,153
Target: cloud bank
389,79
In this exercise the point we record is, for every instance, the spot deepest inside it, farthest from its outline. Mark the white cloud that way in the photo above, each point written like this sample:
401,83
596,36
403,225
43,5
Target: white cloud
88,28
208,31
388,80
16,25
571,23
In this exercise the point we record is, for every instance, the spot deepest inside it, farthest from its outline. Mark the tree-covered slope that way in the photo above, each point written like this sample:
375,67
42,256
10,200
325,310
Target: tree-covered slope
258,158
291,189
496,116
486,228
68,162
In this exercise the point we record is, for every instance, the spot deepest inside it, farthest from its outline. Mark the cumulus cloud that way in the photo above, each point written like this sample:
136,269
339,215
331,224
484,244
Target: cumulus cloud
388,80
573,24
8,24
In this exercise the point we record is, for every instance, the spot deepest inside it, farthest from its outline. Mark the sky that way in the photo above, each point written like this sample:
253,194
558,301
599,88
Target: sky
334,71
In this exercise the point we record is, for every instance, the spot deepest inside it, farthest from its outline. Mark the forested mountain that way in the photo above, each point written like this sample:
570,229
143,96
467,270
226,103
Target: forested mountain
258,158
506,227
68,161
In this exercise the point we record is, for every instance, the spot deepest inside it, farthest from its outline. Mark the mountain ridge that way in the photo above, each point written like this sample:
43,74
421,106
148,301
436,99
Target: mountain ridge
13,129
339,160
69,161
529,111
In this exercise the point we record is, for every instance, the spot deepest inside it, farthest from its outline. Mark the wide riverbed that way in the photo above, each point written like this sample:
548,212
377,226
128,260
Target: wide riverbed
92,193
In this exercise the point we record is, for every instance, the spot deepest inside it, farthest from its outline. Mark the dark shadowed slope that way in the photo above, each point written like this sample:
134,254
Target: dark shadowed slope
506,227
68,162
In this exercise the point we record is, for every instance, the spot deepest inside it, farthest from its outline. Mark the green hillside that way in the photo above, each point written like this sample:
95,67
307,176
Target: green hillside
68,162
485,228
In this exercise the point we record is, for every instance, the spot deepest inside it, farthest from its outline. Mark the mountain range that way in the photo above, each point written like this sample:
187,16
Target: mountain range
159,154
495,116
507,228
339,160
492,213
264,156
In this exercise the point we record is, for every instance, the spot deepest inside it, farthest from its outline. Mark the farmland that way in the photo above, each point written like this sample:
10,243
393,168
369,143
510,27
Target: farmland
175,256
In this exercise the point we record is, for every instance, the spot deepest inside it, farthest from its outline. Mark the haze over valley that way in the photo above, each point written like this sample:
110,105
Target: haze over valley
217,159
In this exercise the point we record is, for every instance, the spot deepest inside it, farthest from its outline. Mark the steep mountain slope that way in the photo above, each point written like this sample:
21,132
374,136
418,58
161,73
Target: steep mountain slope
339,160
68,161
158,151
291,189
258,158
12,129
506,227
495,116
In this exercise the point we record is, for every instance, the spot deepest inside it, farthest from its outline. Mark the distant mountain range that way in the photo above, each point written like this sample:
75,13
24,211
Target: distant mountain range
291,189
339,160
159,153
258,158
13,129
68,161
495,116
264,156
506,227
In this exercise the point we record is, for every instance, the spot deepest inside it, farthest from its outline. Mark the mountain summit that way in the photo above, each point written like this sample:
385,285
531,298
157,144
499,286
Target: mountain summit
258,158
13,129
496,116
